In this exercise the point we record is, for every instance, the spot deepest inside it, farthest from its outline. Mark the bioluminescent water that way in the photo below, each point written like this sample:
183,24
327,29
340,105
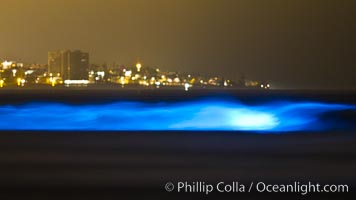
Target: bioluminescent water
204,115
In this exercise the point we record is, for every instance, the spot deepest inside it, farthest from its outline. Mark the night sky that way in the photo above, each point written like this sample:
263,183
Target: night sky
292,44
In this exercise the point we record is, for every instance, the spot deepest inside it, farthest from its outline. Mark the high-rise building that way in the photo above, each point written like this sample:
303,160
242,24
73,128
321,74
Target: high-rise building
70,65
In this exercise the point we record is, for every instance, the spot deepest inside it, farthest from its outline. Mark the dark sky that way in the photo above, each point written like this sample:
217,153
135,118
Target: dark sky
292,43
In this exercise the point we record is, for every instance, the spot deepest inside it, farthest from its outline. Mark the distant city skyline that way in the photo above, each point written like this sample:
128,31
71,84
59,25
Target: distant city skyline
292,44
71,68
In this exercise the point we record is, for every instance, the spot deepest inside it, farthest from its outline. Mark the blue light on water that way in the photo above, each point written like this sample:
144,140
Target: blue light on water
205,115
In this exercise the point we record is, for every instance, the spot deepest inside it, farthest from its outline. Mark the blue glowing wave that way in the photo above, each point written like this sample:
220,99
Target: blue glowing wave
188,116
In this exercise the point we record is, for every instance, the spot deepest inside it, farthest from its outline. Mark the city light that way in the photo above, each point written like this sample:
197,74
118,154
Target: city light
14,71
101,73
138,66
29,72
6,64
53,82
76,82
128,73
20,82
204,115
186,86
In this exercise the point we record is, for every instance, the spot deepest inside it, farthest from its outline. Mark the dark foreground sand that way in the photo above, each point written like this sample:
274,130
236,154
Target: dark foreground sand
89,165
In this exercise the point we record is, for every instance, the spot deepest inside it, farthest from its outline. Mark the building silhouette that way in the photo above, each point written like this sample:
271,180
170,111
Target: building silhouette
70,65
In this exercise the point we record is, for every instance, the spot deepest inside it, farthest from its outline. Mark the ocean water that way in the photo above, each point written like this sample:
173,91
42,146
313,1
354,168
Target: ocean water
202,114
